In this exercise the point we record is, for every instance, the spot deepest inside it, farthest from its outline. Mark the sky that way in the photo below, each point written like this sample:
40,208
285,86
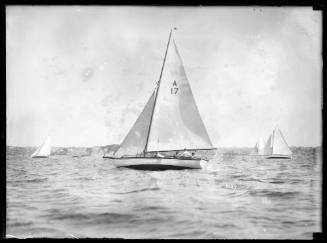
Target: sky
84,73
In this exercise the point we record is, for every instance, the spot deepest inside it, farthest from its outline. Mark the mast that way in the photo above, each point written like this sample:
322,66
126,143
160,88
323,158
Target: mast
158,86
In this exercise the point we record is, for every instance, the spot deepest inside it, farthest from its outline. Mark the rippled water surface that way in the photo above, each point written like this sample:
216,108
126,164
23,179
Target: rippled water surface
237,196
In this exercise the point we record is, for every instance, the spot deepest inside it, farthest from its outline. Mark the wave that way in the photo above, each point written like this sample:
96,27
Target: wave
225,225
192,234
250,179
296,181
234,186
276,182
19,224
85,179
93,218
273,193
305,223
152,208
29,180
140,190
71,216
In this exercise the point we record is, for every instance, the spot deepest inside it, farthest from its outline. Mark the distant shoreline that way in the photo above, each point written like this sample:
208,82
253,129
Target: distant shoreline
101,150
113,145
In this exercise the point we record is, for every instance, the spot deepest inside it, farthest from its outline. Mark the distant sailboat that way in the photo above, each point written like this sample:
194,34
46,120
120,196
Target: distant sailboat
44,150
169,133
259,148
276,146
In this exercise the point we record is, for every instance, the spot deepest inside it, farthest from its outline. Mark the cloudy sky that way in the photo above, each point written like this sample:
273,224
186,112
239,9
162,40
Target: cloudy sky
83,74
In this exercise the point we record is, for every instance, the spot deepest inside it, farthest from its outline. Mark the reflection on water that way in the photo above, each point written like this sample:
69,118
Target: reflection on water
236,196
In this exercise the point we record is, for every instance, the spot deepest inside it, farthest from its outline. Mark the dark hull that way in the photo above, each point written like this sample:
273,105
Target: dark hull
279,157
156,167
154,163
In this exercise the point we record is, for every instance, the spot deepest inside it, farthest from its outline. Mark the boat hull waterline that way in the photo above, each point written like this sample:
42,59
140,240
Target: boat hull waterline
277,156
158,163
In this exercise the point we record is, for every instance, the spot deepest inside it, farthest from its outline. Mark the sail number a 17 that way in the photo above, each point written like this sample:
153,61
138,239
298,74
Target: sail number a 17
174,89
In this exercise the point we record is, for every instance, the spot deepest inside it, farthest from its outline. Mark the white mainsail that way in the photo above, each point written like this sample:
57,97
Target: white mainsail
268,146
279,145
276,144
170,120
176,122
44,150
260,147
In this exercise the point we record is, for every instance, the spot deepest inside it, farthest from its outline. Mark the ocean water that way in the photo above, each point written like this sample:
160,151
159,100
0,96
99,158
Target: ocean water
236,197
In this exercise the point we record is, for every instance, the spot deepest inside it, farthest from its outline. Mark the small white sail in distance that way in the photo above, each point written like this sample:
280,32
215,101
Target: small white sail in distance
44,150
276,144
268,146
260,147
279,145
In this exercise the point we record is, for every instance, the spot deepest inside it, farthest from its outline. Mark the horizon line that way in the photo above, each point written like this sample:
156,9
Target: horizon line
26,146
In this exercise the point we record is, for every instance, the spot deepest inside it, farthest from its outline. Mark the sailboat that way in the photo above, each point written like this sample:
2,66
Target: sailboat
259,148
44,150
276,146
169,133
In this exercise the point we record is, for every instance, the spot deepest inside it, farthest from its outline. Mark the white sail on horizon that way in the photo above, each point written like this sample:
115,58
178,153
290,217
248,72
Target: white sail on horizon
268,146
279,145
44,150
276,144
260,146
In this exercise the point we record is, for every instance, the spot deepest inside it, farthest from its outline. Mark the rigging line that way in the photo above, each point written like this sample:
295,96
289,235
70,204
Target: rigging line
280,132
155,99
